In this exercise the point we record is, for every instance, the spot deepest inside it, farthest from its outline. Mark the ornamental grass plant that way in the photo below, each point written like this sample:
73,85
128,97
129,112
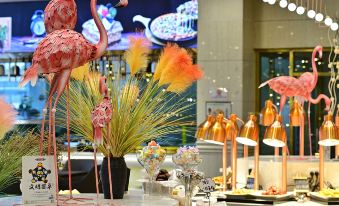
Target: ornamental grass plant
142,109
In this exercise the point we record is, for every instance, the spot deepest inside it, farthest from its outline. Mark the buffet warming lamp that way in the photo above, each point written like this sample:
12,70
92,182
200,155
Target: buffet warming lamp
232,130
249,136
268,114
218,131
328,136
297,119
275,136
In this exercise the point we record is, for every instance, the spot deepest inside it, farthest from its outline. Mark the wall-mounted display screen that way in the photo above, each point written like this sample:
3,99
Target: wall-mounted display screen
160,21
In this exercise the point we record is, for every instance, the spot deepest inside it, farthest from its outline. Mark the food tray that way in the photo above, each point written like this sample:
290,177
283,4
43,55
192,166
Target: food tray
316,196
259,195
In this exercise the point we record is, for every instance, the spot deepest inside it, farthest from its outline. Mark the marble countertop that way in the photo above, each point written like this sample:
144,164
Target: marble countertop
133,198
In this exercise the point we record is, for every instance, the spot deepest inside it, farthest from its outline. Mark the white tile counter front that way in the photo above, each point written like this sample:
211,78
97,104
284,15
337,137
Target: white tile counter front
133,198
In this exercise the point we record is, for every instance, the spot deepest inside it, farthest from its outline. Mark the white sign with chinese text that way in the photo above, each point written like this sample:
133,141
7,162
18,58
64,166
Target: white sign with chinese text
38,179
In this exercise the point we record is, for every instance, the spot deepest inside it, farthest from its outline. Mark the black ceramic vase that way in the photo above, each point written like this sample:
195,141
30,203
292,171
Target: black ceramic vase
119,177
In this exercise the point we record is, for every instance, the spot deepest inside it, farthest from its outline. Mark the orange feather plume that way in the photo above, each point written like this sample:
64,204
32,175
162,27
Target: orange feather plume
137,54
180,73
169,52
7,118
185,79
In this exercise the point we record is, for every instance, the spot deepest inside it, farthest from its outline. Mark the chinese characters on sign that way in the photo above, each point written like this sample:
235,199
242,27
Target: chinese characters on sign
38,179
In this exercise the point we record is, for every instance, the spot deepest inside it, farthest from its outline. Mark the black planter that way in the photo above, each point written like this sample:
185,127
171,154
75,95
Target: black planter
119,177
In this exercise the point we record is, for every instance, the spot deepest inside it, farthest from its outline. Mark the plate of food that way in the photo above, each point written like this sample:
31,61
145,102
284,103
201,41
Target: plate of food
272,193
328,195
172,27
238,193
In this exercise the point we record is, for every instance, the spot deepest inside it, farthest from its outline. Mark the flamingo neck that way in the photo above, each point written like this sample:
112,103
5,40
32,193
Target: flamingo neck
318,49
102,44
317,100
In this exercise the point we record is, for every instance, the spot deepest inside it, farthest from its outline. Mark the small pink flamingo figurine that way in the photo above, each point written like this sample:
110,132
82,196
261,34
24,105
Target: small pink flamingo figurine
288,86
60,14
60,52
101,116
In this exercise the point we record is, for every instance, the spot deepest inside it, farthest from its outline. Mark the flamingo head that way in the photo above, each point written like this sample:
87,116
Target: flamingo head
319,49
328,104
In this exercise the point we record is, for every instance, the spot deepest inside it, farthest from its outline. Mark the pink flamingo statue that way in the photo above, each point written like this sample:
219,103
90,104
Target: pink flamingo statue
60,52
61,14
101,116
303,86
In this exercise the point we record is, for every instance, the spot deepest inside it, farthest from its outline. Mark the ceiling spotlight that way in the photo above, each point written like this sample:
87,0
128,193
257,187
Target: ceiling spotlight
292,7
283,3
319,17
265,1
300,10
271,2
328,21
311,14
334,26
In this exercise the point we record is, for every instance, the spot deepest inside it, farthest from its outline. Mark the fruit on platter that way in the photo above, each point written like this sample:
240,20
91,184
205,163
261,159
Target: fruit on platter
329,193
272,190
241,192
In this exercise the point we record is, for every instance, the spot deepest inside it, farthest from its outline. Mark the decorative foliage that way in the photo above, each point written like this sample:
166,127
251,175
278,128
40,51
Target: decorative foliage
137,55
142,110
177,69
167,55
11,152
7,118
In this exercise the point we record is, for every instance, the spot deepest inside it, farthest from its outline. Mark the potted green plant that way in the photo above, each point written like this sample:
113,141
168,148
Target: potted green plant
142,107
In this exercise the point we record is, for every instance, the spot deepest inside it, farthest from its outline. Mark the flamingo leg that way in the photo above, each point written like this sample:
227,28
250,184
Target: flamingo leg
60,81
96,172
44,111
282,103
309,127
58,84
55,159
109,165
69,146
48,105
49,130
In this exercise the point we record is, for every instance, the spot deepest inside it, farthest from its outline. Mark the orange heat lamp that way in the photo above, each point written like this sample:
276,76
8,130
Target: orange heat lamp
297,120
232,130
268,113
217,131
249,136
275,136
328,136
203,128
217,135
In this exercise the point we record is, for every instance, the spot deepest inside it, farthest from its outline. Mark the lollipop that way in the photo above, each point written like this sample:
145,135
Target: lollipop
187,157
151,157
